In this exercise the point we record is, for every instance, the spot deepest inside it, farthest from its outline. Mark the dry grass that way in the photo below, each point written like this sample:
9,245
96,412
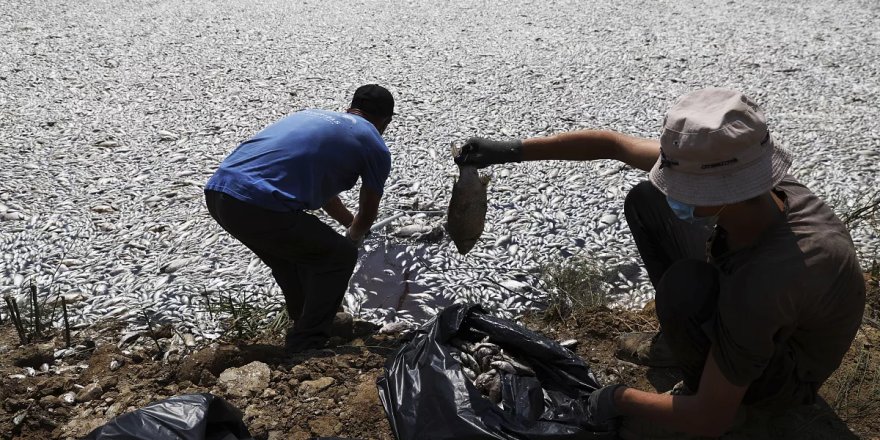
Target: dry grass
853,391
865,208
33,319
573,284
244,316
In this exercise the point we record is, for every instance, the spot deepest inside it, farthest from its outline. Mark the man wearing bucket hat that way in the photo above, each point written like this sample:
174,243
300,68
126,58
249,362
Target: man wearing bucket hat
758,289
262,190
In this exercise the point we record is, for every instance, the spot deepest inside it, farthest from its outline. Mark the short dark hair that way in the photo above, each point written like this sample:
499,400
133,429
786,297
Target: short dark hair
373,99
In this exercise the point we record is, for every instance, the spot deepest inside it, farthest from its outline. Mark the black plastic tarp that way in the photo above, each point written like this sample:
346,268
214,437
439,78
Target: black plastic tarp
185,417
426,394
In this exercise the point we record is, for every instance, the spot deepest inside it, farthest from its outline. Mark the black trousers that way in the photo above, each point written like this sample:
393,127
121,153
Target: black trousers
687,288
310,261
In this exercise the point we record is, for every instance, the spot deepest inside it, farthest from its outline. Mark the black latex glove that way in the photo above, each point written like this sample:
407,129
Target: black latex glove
600,406
482,152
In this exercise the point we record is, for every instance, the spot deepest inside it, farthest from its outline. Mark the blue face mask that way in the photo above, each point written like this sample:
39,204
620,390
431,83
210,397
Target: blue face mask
685,212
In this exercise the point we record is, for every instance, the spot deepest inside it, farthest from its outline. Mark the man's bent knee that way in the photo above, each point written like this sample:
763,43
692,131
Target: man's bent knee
688,289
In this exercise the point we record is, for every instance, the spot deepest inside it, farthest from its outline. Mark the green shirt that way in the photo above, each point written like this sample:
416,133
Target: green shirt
800,285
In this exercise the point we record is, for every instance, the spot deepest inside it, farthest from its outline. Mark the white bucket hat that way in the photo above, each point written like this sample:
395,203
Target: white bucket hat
715,149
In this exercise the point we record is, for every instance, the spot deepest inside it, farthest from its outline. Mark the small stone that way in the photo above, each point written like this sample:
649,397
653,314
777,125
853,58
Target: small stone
300,372
90,392
113,410
246,380
325,426
310,387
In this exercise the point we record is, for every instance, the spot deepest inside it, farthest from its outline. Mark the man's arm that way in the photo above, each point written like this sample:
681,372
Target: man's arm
337,210
710,412
368,209
637,152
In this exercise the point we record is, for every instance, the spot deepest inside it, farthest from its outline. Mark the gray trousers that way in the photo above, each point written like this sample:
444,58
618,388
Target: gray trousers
310,261
687,288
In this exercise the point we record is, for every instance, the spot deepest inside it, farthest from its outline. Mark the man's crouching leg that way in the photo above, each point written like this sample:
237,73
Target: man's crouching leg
687,297
324,281
662,240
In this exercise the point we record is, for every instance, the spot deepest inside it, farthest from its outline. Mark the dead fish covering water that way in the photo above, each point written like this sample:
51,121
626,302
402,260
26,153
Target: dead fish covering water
467,208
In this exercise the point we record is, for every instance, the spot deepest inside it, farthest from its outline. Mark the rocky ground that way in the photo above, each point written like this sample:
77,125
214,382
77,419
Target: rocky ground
332,392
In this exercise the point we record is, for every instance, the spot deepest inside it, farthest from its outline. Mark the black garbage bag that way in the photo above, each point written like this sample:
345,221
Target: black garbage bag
186,417
426,394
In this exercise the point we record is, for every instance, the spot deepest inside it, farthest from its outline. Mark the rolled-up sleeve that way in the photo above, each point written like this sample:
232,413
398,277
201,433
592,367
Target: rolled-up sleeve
377,169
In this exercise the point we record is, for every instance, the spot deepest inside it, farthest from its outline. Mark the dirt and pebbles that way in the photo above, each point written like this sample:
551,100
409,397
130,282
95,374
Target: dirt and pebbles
332,392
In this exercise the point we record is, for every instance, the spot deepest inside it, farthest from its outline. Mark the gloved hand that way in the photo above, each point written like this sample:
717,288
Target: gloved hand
600,405
482,152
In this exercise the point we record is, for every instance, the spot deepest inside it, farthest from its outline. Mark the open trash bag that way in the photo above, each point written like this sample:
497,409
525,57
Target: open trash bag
427,395
186,417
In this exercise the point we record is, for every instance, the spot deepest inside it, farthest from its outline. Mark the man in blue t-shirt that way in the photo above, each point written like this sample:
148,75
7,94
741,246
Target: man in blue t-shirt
261,191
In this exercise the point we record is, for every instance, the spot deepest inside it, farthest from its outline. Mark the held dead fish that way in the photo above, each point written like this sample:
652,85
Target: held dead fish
467,208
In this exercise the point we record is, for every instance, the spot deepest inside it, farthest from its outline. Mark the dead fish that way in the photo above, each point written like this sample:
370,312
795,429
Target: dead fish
570,344
504,366
510,365
489,384
175,265
467,208
469,373
411,230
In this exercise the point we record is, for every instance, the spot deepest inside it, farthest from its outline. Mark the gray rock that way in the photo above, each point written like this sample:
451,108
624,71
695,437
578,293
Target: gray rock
91,391
311,387
113,410
250,379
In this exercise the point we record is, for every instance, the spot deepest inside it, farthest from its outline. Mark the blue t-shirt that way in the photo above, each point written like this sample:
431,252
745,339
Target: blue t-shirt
303,160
